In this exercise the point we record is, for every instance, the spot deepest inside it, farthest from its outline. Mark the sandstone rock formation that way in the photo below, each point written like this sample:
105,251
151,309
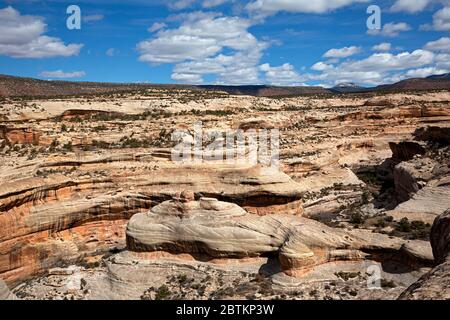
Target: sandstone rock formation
5,294
422,176
435,284
223,230
75,170
440,237
54,220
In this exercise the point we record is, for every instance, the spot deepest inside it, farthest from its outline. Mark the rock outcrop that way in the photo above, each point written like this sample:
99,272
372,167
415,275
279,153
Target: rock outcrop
53,220
435,284
5,294
20,135
440,237
223,230
422,178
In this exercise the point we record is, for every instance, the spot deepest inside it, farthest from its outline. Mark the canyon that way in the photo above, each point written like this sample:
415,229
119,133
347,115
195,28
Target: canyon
92,205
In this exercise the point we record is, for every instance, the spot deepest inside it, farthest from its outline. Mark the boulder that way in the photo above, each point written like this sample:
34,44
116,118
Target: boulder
440,237
435,285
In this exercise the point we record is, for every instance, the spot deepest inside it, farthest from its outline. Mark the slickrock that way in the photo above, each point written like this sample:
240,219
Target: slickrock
435,284
224,230
422,180
5,294
39,215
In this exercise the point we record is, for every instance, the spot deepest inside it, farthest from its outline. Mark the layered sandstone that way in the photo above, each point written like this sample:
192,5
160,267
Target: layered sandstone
223,230
435,284
58,219
5,294
74,171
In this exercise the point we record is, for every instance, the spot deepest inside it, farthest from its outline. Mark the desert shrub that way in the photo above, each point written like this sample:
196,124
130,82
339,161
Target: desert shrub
162,293
404,225
356,218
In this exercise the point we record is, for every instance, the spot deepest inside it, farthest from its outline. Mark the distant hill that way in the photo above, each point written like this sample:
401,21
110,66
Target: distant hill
440,76
11,86
438,82
266,91
17,86
347,87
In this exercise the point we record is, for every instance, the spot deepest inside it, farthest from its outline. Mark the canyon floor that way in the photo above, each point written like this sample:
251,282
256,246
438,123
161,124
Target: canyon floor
92,206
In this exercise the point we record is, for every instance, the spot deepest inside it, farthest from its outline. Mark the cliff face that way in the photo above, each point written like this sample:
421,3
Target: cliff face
50,221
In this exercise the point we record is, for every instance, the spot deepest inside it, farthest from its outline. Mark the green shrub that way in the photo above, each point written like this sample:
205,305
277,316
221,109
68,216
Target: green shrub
162,293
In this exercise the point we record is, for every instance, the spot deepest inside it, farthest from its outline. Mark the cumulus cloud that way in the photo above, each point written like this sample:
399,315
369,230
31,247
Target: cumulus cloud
23,36
442,44
156,27
284,75
424,72
391,29
304,6
197,48
385,46
342,52
321,66
410,6
441,20
443,61
378,68
187,78
59,74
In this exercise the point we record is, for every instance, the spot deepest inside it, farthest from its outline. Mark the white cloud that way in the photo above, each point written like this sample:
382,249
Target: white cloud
342,52
391,29
213,3
284,75
61,74
200,36
425,72
410,6
321,66
385,46
23,37
110,52
197,45
306,6
441,20
443,45
156,27
378,68
92,18
389,62
181,4
187,78
443,61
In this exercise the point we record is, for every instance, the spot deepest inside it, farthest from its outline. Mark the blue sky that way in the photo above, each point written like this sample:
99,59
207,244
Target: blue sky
278,42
